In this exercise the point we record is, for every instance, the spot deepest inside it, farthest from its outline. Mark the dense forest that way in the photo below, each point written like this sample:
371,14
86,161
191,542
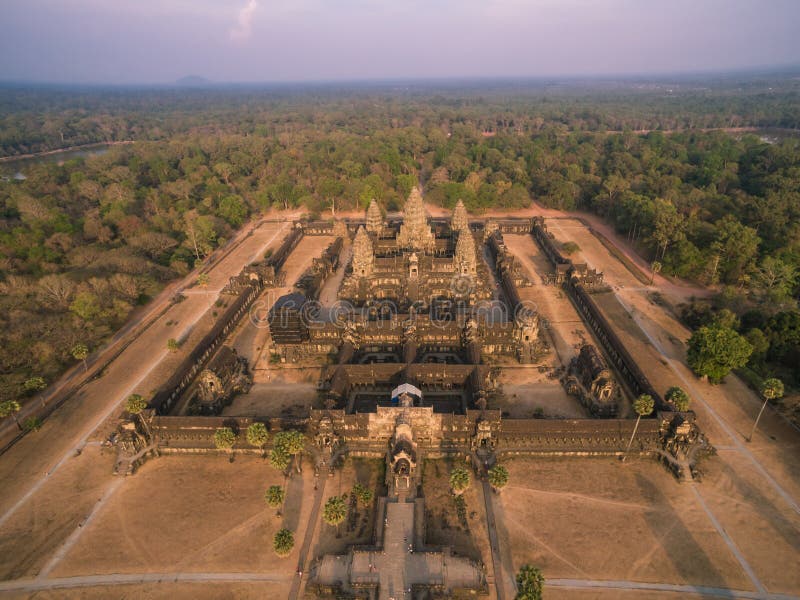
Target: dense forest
84,242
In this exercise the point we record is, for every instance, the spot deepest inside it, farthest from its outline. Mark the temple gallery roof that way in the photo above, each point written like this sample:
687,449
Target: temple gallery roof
406,388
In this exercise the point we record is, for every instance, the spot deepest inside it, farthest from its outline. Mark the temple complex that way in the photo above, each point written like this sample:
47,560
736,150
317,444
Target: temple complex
410,338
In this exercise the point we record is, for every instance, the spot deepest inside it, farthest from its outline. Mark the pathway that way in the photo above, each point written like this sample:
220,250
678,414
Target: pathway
311,528
497,561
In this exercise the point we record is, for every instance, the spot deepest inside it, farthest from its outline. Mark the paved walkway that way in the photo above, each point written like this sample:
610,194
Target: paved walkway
497,561
302,561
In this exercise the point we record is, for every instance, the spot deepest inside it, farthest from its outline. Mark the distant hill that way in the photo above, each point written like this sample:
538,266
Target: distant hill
192,81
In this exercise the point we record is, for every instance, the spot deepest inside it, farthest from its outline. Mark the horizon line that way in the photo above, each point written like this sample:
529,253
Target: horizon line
200,82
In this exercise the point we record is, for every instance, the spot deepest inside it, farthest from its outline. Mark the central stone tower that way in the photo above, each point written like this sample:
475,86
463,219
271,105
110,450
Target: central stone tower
363,254
414,232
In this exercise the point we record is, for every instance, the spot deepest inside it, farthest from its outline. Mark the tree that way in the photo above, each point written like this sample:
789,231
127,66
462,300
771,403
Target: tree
288,444
173,345
80,352
274,496
771,389
257,435
201,233
10,408
224,438
33,423
283,542
33,385
678,398
643,405
715,350
363,494
498,477
279,459
529,583
233,209
203,280
667,224
460,480
335,511
135,404
655,267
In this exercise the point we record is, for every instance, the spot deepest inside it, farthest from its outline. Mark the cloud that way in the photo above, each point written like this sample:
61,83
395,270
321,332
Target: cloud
244,22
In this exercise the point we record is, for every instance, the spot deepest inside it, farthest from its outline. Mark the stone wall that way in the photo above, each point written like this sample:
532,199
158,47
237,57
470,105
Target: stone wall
625,364
164,399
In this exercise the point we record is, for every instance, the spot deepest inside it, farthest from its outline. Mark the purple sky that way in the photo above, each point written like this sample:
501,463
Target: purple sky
138,41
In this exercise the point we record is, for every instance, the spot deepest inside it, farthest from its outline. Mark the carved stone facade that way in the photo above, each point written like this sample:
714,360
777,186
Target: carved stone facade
225,376
592,382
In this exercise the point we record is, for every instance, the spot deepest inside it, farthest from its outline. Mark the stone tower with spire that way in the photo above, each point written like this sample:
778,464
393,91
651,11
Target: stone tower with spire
363,254
374,218
466,263
460,221
414,232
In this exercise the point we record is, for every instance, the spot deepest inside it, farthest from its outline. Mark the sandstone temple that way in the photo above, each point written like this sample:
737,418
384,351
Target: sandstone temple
427,312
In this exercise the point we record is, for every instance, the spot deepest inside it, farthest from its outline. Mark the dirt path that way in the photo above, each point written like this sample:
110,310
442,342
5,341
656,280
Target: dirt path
705,591
33,585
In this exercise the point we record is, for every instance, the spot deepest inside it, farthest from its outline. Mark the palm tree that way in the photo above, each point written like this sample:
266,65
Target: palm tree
203,280
363,494
459,480
224,438
257,435
335,511
33,385
771,389
173,345
498,477
678,398
655,268
279,459
10,407
135,404
289,443
643,406
529,583
274,496
283,542
80,352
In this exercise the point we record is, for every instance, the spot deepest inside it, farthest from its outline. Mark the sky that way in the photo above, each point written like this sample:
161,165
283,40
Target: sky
160,41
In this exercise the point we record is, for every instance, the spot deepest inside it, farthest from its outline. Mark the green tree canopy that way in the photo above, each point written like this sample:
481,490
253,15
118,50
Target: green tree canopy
274,496
363,494
334,511
713,351
8,407
79,351
257,435
279,459
34,384
460,480
283,543
643,405
135,404
771,389
224,438
498,477
678,397
530,583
